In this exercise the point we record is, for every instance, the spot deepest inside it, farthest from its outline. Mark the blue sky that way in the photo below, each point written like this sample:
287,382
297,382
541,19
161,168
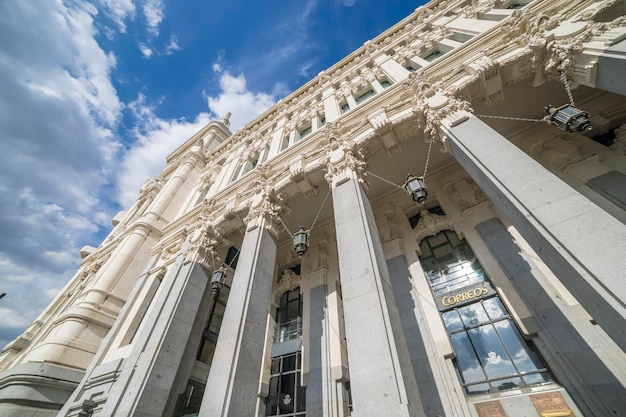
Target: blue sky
95,94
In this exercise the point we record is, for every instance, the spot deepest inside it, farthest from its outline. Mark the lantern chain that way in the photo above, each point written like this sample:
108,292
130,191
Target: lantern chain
319,211
522,119
384,180
567,88
285,226
430,145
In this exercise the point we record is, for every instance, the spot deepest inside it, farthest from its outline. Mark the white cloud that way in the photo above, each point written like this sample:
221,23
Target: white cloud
347,3
58,114
172,46
156,139
145,50
153,12
235,97
118,11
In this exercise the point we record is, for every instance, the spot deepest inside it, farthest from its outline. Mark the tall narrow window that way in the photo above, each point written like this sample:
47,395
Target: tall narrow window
286,396
188,403
491,354
289,317
212,330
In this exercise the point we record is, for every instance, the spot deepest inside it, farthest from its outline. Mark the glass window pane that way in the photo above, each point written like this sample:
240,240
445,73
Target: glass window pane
425,249
506,384
525,359
477,389
452,237
491,353
538,378
293,310
494,308
275,369
437,239
443,252
452,320
289,363
468,364
286,394
216,318
473,314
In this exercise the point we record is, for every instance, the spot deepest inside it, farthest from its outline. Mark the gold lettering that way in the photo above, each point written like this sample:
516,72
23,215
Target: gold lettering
450,300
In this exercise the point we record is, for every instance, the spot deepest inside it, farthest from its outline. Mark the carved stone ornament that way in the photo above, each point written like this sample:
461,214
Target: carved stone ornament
225,119
430,224
203,243
150,188
619,143
289,281
434,105
264,205
342,159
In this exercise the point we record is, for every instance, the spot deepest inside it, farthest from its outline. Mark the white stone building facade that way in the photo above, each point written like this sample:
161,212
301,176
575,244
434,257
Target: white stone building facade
502,294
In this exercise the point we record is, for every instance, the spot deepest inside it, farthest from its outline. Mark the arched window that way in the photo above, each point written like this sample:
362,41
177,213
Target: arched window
491,354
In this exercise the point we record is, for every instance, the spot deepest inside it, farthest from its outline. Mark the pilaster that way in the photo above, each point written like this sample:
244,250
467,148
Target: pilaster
554,218
381,377
233,383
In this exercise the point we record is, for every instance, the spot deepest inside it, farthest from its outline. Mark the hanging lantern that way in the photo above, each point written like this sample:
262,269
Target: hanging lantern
218,278
416,188
301,241
568,118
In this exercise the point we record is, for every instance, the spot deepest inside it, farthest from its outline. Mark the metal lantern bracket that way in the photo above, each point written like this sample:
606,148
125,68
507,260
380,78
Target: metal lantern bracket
413,186
219,275
301,237
567,117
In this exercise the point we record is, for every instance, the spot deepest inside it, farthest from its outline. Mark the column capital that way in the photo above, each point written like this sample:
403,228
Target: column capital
203,242
264,207
435,106
342,159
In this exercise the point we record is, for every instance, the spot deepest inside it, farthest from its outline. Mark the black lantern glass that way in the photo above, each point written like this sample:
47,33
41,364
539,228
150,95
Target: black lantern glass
301,241
568,118
416,188
217,280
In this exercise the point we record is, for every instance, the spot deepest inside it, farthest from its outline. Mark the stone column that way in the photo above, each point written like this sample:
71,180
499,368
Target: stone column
581,243
381,377
173,184
114,269
233,383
